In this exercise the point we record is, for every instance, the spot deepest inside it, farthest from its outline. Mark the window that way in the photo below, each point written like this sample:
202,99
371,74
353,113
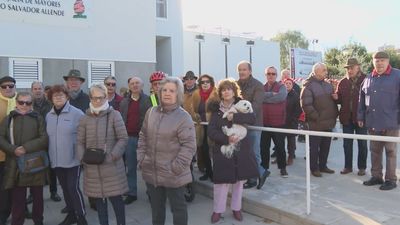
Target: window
161,8
98,70
25,71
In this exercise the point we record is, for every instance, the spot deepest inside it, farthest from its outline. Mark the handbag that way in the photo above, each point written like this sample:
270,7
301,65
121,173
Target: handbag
96,156
30,163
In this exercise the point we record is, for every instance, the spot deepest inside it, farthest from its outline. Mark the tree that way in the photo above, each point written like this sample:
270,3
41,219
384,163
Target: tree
287,40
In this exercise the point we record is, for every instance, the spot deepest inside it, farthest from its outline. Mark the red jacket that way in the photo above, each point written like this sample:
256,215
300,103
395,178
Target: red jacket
348,99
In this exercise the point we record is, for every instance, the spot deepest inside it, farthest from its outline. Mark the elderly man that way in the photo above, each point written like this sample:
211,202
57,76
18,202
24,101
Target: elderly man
378,111
274,115
7,104
347,96
78,98
113,98
190,86
253,91
320,110
43,106
133,109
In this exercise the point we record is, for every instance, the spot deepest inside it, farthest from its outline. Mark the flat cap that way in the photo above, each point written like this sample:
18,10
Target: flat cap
7,79
380,55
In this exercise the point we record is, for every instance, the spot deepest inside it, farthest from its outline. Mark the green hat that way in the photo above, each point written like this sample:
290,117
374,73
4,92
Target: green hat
74,73
351,62
380,55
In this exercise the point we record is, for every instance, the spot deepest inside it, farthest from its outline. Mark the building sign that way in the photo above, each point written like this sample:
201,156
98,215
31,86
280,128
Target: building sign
302,61
50,12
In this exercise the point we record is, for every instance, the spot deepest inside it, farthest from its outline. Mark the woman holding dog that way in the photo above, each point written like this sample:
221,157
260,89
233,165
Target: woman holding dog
242,165
205,93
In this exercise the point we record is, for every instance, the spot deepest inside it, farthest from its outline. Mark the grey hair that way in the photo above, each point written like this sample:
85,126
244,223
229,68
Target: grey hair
271,67
109,78
136,78
317,66
37,82
24,93
244,62
179,88
98,86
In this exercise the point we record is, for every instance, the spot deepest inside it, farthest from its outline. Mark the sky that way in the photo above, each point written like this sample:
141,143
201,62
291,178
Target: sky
333,23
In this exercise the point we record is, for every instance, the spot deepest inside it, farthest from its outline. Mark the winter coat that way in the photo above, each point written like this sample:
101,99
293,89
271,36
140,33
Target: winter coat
188,100
196,100
166,146
29,132
243,164
43,106
253,91
318,105
62,130
293,109
116,101
81,101
109,178
348,94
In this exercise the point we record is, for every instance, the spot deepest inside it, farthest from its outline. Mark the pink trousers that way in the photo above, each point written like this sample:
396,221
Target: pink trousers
221,195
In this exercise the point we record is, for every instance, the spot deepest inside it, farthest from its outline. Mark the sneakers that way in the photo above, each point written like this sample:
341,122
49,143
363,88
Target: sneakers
262,179
129,199
361,172
346,171
215,217
55,197
388,185
373,181
316,173
284,173
326,170
237,215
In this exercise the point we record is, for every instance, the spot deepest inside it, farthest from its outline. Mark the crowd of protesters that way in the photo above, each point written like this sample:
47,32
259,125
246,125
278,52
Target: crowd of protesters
161,135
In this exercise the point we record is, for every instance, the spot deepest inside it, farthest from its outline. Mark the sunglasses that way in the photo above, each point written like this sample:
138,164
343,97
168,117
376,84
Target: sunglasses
271,74
205,82
111,84
24,103
10,86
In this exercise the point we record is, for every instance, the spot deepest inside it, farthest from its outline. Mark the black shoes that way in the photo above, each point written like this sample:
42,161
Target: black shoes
69,219
64,210
55,197
129,199
373,181
81,220
249,184
262,179
388,185
284,173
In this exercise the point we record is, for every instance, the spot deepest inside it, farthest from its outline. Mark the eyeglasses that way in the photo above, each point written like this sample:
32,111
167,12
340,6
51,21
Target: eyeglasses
59,95
98,98
205,82
111,84
190,78
10,86
271,74
27,103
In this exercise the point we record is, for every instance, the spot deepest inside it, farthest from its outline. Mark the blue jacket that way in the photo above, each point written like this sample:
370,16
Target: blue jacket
62,130
379,102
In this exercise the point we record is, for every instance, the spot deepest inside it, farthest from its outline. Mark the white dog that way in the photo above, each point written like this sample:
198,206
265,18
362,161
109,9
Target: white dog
240,131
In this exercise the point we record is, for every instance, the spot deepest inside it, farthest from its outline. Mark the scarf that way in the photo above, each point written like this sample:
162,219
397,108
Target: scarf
224,108
11,102
387,72
205,94
97,110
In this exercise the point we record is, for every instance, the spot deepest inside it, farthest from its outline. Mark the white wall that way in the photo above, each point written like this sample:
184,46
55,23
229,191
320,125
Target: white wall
118,31
264,53
172,27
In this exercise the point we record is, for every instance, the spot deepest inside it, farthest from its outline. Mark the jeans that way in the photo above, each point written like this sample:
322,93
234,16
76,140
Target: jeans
158,197
255,138
348,147
131,164
118,206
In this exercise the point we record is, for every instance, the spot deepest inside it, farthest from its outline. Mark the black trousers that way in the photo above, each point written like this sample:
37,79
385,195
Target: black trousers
265,145
158,197
5,197
205,154
319,151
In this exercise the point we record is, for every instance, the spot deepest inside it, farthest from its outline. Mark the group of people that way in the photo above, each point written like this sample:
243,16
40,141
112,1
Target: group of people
161,135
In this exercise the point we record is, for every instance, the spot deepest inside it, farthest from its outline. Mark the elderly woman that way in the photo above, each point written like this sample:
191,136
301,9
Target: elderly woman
230,171
103,128
62,126
167,144
205,93
22,132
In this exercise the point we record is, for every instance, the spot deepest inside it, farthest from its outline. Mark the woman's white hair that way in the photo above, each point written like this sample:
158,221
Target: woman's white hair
179,88
100,87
